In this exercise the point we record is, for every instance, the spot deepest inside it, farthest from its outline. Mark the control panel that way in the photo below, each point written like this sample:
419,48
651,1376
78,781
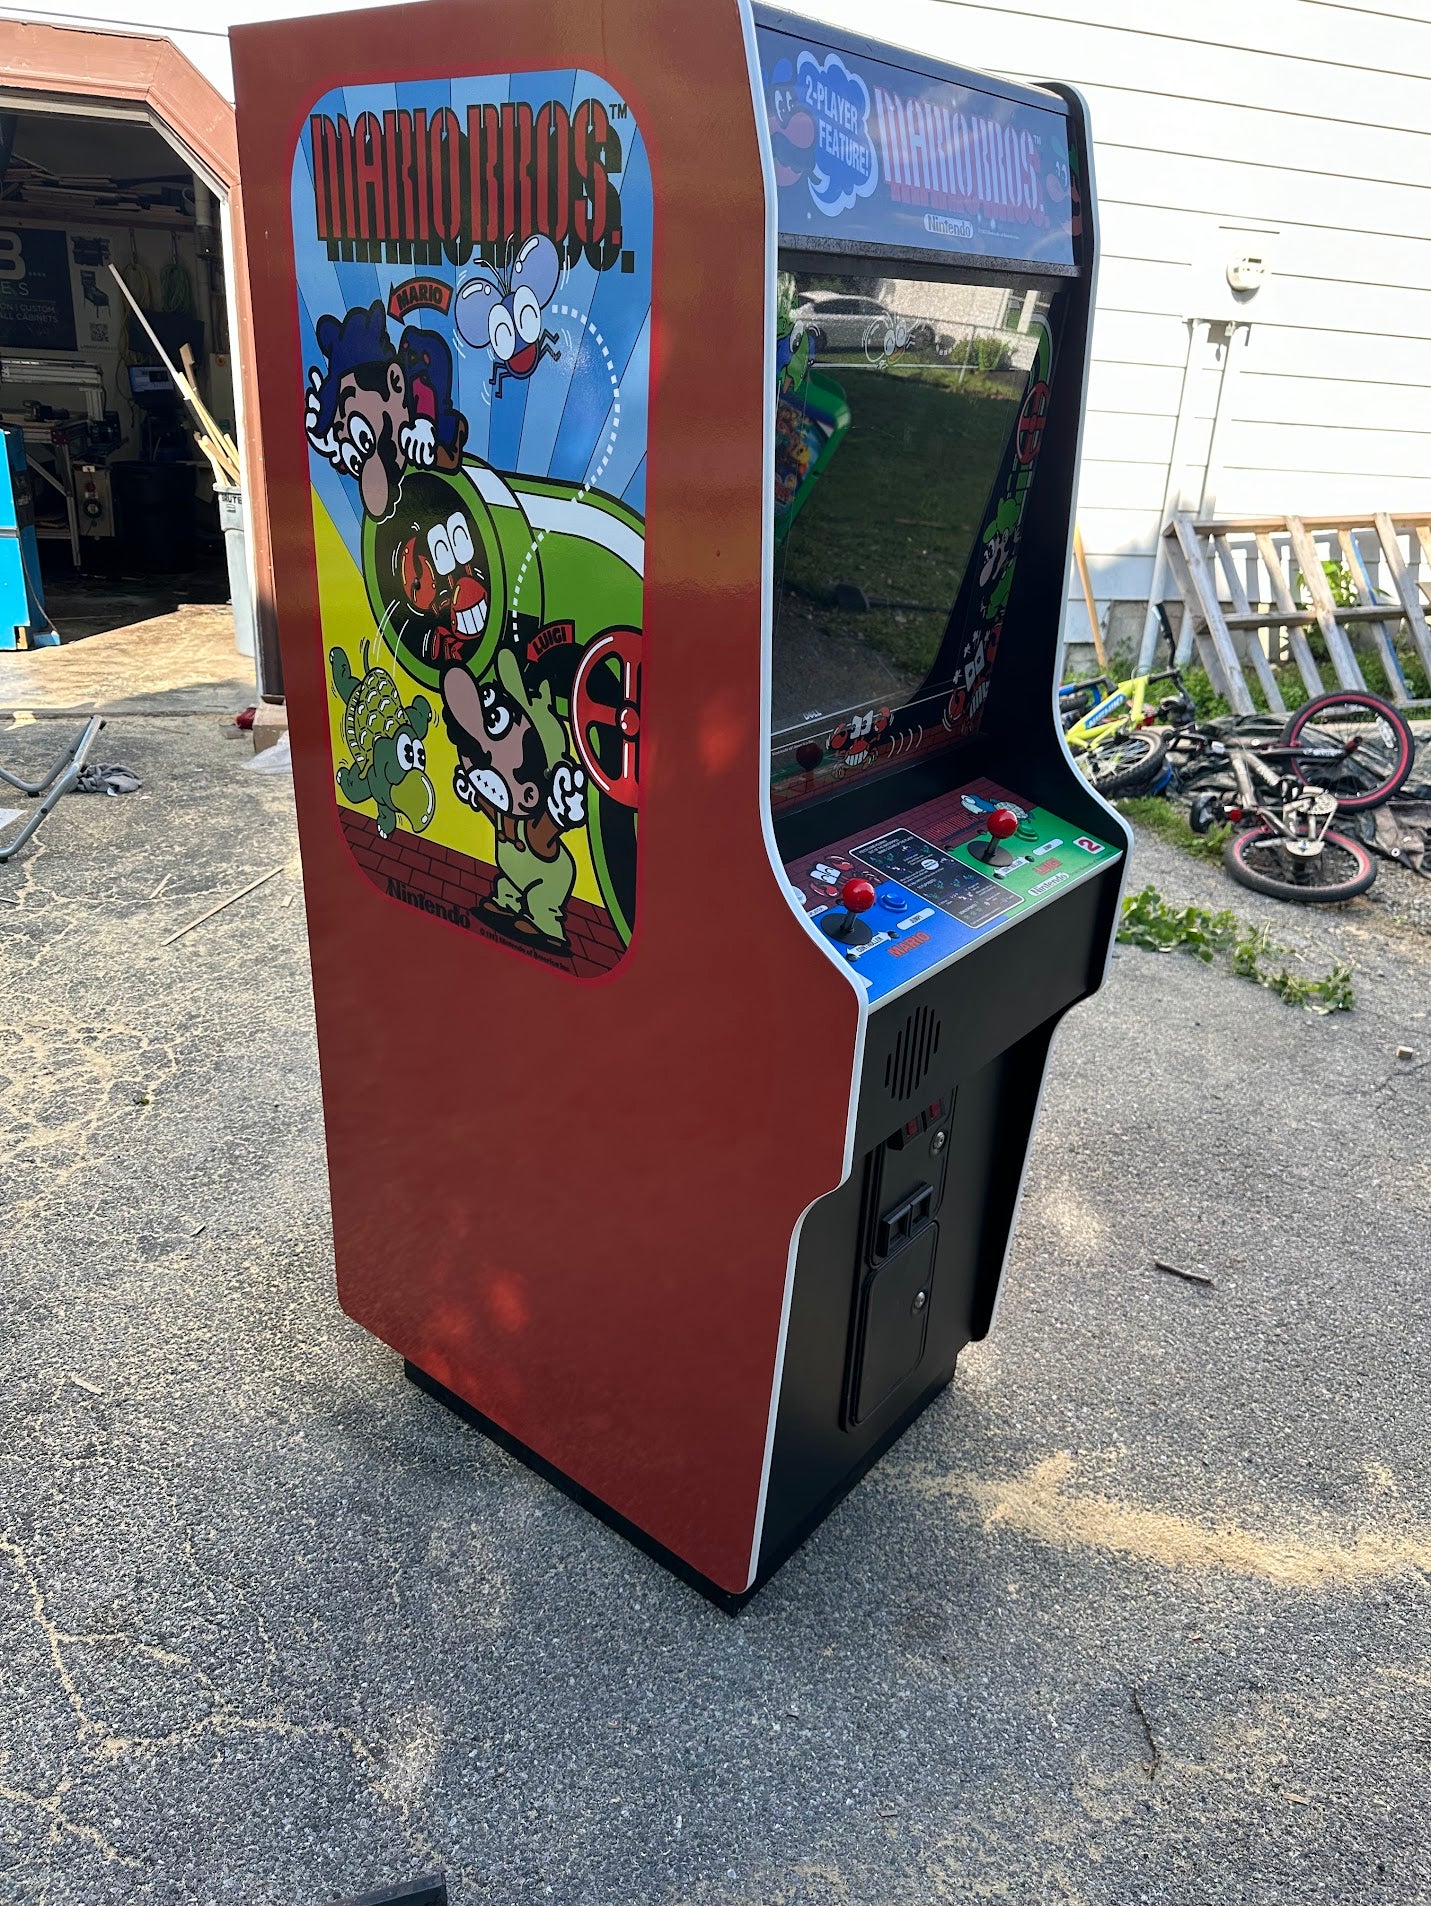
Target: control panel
895,901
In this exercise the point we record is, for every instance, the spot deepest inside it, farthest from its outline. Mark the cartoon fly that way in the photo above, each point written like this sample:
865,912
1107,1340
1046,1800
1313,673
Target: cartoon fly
504,311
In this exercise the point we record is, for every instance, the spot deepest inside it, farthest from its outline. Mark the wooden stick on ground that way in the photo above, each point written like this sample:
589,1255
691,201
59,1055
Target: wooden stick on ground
1188,1277
219,907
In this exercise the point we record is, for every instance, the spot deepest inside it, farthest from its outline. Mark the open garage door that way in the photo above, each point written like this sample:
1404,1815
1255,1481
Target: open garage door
117,156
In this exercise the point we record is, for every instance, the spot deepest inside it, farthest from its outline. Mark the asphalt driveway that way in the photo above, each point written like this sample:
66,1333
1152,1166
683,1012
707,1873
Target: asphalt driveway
1138,1612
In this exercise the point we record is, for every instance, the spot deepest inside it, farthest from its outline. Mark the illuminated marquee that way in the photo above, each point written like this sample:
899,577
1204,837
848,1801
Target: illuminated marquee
957,161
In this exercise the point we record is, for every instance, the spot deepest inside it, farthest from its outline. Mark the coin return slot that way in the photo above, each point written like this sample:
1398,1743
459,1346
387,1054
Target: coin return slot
896,1227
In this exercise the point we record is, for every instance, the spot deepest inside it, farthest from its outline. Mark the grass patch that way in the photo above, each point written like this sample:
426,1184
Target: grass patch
1251,952
1206,701
1169,822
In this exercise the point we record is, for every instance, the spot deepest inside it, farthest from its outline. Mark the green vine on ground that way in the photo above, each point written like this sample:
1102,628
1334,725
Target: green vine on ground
1251,952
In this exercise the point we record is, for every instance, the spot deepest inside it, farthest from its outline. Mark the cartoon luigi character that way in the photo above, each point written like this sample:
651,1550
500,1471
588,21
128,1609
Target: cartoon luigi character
377,407
513,765
794,349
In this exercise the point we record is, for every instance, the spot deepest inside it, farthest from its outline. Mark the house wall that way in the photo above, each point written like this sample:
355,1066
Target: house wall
1305,117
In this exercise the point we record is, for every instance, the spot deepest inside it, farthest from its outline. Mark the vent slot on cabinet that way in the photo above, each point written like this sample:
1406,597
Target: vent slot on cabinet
913,1052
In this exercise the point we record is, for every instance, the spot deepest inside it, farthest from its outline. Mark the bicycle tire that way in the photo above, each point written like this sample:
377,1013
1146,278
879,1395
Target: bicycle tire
1305,892
1125,764
1394,737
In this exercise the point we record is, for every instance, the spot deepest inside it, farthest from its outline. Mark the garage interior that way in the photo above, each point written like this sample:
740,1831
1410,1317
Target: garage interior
126,520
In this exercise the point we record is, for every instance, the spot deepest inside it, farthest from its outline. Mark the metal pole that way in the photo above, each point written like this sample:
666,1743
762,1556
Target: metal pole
1212,474
1172,498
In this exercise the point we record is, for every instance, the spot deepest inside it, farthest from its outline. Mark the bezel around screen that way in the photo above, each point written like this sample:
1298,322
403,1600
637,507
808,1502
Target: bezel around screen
905,407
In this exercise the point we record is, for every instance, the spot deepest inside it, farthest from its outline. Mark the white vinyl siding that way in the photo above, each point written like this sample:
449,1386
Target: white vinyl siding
1307,116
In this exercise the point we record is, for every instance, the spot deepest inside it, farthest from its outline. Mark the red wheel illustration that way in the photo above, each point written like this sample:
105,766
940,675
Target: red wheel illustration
1031,422
606,699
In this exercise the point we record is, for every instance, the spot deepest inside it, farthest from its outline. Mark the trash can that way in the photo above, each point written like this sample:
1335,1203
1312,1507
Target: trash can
230,504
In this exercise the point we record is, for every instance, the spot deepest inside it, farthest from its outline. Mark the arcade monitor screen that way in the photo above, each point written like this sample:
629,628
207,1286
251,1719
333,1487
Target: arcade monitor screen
904,411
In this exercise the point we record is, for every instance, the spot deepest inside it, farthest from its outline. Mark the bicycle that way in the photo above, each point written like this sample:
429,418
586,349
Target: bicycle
1109,727
1346,752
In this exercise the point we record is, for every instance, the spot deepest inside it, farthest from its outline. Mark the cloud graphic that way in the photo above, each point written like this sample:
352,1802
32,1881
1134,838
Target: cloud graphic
845,166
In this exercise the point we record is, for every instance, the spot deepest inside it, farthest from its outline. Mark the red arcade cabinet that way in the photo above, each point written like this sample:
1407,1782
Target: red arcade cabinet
671,414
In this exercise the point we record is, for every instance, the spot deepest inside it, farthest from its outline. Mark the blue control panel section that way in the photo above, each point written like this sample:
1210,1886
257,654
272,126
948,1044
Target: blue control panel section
895,902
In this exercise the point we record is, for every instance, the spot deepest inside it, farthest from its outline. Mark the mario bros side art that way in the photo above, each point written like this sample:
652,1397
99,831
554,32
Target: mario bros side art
474,282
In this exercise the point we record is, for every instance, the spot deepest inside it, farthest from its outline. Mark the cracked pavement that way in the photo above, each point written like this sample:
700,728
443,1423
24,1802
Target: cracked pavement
1138,1611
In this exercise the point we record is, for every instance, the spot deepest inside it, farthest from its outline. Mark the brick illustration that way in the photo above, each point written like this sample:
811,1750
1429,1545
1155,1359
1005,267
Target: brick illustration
426,875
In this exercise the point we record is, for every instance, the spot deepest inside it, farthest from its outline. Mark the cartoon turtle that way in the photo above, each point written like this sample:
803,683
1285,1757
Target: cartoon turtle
385,740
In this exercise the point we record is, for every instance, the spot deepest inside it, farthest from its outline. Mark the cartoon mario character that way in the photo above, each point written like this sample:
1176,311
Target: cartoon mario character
376,408
513,765
792,128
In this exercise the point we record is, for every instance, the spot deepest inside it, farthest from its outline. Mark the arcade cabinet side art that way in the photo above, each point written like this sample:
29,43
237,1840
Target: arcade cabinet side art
477,457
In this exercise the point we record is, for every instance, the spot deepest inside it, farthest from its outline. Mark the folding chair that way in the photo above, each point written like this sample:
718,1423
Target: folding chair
60,779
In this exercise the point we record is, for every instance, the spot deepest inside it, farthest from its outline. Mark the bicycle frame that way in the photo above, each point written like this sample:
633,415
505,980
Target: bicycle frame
1300,815
1120,710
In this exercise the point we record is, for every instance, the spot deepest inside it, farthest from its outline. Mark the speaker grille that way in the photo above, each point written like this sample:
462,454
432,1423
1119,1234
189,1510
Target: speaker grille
913,1053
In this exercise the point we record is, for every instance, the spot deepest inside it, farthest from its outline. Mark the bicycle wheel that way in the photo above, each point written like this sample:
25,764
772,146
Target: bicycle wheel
1126,764
1356,746
1258,858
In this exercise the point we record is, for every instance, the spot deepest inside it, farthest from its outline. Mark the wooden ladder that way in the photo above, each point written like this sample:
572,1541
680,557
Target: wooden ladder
1234,634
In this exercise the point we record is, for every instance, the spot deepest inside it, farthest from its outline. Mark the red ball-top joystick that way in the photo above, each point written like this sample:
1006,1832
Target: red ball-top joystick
1001,824
857,896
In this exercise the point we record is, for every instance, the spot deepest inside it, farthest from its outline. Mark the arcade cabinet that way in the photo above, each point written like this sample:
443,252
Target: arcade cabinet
672,488
22,596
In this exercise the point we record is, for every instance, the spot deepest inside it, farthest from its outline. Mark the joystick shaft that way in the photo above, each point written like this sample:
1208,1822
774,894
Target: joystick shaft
1001,822
857,896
